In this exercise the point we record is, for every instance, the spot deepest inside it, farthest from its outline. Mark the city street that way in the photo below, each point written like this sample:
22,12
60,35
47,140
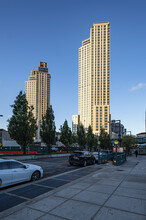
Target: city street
58,172
53,166
93,193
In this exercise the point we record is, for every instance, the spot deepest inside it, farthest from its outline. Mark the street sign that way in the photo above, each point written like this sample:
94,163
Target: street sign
114,149
121,150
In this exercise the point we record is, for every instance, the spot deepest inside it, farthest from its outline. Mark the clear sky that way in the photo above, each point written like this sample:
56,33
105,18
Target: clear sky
52,31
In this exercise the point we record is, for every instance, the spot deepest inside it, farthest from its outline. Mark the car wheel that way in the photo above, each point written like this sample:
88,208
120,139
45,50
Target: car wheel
85,163
0,182
35,176
70,163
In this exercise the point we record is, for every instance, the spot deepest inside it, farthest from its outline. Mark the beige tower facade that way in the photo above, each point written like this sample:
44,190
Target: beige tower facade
75,123
94,78
37,90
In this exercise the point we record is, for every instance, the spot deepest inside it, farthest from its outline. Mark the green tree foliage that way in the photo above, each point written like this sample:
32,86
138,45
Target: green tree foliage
128,142
81,138
22,125
65,136
73,138
47,131
95,143
104,139
90,138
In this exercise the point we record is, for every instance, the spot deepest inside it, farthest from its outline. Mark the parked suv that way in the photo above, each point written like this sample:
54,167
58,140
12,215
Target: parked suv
83,158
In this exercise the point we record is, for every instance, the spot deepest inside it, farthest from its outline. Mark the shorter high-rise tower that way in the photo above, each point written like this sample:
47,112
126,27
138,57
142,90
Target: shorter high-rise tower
37,91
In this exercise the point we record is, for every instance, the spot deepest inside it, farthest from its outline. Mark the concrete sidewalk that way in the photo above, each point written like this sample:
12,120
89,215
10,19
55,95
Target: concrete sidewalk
109,193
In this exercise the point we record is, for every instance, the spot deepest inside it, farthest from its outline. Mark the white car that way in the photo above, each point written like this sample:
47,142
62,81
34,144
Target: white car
13,172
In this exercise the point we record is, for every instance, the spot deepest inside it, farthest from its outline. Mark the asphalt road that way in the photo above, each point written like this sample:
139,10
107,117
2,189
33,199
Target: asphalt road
53,166
13,196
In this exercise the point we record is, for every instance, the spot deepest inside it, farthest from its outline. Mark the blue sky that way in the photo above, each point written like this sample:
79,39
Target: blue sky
52,31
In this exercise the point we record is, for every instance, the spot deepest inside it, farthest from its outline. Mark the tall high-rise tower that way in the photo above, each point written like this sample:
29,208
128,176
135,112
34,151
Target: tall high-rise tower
37,91
94,78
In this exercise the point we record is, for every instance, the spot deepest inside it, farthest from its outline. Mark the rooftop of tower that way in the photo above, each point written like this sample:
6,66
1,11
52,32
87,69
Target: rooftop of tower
43,64
106,22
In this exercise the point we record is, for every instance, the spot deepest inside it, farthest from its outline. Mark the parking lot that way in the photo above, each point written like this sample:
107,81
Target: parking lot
53,166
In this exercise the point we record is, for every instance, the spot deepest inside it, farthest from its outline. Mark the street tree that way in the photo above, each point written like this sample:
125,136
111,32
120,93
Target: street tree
128,142
81,138
48,129
90,138
22,125
73,138
95,143
104,139
65,136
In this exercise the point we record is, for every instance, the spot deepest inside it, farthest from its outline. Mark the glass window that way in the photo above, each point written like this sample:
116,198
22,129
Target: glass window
77,153
4,165
15,165
87,154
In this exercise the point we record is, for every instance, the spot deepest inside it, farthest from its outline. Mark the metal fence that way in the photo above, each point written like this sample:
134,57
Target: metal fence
19,150
104,158
34,150
119,158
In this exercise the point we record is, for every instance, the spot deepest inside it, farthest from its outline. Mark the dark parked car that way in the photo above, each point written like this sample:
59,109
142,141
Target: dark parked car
81,158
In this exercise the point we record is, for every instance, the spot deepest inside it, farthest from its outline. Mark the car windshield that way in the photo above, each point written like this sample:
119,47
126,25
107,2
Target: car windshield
77,153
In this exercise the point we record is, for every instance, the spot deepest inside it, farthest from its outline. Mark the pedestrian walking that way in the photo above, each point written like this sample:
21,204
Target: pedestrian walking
136,153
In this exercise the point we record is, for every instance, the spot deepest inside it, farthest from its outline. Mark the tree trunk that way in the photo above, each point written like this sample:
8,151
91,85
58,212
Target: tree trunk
24,150
49,149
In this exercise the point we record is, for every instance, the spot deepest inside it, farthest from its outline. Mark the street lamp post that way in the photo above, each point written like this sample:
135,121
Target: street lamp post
98,152
116,145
